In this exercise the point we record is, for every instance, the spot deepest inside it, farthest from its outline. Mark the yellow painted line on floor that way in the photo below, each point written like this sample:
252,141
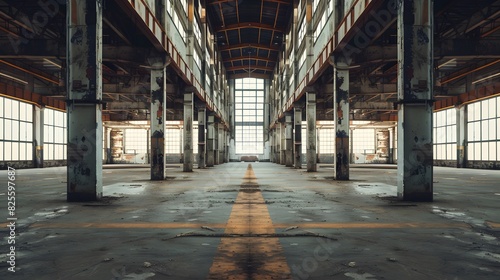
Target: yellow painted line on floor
493,225
124,225
375,225
146,225
253,257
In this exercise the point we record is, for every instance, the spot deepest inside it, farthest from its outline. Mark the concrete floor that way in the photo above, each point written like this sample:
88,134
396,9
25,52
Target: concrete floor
263,222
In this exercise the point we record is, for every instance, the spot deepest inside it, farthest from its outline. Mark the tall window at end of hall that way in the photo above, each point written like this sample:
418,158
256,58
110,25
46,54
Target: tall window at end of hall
249,116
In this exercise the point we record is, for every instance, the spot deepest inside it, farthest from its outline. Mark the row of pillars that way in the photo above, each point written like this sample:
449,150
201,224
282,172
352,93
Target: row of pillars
415,87
212,144
84,110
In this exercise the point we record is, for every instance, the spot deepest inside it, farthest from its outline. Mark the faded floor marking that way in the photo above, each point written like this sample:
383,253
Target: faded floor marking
323,225
249,257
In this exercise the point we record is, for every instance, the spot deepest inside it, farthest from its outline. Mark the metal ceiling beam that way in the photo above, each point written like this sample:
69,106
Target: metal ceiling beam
243,25
120,106
252,67
460,74
372,105
246,58
253,75
216,2
246,45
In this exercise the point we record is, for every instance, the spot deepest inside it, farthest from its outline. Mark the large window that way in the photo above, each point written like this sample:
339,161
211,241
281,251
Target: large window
54,135
136,141
249,115
16,130
363,141
174,137
483,120
326,135
445,135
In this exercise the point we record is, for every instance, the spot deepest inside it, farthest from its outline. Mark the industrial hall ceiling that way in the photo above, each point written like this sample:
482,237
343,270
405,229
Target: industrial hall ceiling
251,36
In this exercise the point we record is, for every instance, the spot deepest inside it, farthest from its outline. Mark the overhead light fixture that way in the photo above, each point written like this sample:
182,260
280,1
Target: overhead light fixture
485,78
52,63
451,62
13,78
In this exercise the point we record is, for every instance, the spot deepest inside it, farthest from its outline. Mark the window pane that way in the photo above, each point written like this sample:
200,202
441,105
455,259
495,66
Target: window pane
484,151
29,152
1,108
492,150
59,132
22,112
22,131
8,109
7,150
484,130
453,152
493,129
50,117
50,151
29,112
50,134
477,111
29,132
484,109
477,151
498,150
492,107
15,150
15,109
22,151
15,130
1,129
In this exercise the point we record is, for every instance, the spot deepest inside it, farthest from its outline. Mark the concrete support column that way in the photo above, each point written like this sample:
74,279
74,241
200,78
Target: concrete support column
298,137
220,144
116,145
210,140
201,136
341,118
392,144
228,139
415,91
461,136
187,165
107,144
311,132
216,143
38,133
277,141
283,144
84,109
157,126
289,140
351,144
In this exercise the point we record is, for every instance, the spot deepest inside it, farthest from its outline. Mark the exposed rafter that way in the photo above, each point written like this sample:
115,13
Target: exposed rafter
252,67
257,46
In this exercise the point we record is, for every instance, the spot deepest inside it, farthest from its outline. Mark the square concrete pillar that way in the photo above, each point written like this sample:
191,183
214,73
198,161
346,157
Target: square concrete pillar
341,118
157,127
84,109
210,156
187,165
283,143
415,93
297,136
289,140
201,136
311,132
